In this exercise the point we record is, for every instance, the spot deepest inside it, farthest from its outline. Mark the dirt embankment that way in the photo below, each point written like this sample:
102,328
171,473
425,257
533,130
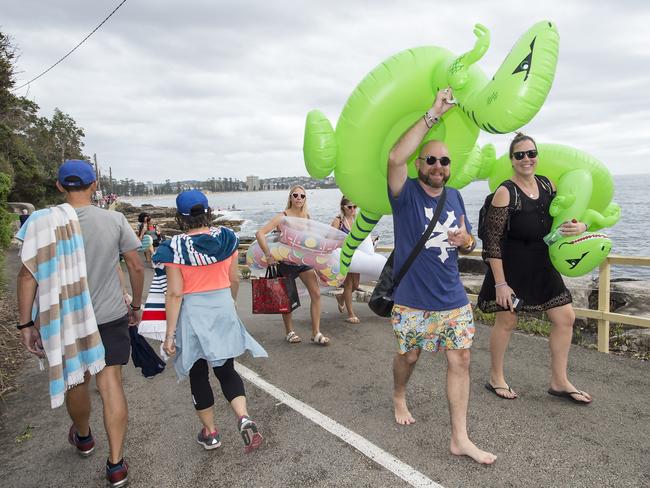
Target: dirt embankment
12,352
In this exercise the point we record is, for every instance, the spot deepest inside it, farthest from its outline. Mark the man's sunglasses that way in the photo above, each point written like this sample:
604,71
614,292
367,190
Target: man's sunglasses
299,195
350,207
519,155
431,160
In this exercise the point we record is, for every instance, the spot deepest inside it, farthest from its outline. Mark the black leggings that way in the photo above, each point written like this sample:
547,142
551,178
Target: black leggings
232,385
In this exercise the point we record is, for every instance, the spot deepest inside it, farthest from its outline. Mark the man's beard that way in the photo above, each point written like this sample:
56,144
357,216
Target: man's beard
426,179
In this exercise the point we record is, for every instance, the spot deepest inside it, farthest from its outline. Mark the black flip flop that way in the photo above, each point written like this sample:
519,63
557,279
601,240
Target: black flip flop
569,395
494,389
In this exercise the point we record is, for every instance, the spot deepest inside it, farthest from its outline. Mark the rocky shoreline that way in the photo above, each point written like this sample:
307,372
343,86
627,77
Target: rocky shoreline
627,296
165,218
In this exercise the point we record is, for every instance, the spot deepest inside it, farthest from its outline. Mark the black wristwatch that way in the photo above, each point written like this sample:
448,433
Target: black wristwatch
135,309
24,326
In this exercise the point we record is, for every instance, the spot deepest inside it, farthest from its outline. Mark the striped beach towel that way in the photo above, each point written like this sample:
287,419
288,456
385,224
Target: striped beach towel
195,250
53,252
154,319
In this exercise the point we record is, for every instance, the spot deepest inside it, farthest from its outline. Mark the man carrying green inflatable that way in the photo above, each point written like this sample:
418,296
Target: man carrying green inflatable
431,311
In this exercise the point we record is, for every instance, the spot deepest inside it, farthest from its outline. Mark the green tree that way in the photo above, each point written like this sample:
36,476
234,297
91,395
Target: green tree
5,218
31,146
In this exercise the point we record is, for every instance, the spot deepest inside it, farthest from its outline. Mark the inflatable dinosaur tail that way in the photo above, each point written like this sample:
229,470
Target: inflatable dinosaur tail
363,225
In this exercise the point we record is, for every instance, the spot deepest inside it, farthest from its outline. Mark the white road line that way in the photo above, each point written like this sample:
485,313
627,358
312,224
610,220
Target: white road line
409,474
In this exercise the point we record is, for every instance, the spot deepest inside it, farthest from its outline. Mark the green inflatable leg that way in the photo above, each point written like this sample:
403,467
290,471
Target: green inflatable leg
363,225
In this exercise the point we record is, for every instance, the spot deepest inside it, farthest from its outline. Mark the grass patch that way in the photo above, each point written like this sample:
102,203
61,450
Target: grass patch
525,323
25,436
3,278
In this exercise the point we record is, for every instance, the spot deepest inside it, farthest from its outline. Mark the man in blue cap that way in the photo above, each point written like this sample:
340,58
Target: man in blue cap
106,235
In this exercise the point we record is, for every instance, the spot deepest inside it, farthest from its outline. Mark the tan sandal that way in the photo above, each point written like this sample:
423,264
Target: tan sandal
320,339
293,338
353,320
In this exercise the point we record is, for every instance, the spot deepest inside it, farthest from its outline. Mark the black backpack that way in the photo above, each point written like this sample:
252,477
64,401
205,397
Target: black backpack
514,202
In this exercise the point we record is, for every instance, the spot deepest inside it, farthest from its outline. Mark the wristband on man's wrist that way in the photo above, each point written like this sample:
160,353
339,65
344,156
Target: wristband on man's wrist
134,308
499,285
24,326
430,119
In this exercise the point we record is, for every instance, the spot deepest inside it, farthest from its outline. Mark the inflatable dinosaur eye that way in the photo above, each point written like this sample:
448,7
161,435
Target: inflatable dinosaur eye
524,66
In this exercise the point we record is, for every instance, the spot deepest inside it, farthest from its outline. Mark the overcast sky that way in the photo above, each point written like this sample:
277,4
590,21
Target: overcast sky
206,88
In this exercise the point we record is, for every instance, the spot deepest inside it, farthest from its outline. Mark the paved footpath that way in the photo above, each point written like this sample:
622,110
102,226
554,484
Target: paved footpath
541,441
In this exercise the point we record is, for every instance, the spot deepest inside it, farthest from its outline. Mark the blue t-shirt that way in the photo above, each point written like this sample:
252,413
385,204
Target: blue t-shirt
433,281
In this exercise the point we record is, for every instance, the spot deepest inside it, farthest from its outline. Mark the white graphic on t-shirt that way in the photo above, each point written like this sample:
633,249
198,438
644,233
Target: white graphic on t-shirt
438,237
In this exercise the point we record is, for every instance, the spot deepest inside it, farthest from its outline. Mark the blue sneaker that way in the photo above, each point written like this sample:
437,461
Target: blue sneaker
84,448
209,440
118,475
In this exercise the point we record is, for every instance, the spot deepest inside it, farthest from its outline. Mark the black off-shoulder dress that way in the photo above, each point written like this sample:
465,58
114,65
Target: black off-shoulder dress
526,263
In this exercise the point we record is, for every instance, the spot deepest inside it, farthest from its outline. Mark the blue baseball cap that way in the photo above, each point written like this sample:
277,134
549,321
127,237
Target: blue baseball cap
76,172
191,198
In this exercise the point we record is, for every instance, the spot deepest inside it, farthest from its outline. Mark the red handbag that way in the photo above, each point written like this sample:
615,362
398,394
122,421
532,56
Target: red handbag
274,293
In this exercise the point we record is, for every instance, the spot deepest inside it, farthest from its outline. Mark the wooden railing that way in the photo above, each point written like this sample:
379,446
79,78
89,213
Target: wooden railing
602,314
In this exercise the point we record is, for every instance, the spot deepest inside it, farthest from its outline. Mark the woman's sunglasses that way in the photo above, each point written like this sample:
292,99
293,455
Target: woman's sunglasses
431,160
299,195
350,207
519,155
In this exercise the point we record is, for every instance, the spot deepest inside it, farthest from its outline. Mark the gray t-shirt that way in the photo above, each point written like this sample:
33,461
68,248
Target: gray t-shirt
106,235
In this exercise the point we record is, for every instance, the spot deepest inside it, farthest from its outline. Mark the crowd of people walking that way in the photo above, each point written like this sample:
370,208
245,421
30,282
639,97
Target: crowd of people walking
200,267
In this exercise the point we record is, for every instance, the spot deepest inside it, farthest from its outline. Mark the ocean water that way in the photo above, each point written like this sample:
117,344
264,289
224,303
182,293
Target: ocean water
630,236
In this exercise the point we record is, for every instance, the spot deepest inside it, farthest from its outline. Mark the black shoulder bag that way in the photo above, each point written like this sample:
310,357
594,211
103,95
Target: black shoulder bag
381,302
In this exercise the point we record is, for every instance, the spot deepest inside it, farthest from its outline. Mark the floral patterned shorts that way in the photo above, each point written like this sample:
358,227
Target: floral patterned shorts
432,331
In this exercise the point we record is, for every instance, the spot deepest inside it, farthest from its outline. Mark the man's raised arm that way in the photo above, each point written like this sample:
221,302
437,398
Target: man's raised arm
408,143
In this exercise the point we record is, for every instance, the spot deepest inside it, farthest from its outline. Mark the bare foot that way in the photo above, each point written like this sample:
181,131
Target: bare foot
468,448
402,414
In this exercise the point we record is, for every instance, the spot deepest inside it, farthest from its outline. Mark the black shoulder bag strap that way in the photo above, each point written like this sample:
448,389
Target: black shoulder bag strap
418,247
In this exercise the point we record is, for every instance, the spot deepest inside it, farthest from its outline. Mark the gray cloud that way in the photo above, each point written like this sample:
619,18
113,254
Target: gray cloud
222,88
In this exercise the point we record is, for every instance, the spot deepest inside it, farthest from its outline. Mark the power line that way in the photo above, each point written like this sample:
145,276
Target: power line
73,49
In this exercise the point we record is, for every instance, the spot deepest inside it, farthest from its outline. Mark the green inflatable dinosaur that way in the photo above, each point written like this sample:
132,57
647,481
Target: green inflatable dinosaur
398,91
584,192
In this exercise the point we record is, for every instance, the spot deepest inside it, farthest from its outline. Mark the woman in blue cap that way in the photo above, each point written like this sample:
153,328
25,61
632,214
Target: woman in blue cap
203,328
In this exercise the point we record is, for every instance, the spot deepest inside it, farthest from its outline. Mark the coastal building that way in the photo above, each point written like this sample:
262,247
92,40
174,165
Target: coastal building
252,183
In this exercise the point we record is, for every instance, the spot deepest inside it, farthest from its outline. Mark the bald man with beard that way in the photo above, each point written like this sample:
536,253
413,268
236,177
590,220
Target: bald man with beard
431,311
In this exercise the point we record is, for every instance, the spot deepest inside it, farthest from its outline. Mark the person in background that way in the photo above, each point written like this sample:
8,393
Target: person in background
296,207
520,267
343,221
147,227
24,215
203,328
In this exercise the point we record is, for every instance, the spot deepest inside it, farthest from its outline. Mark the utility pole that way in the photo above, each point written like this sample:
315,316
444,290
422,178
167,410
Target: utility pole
110,178
97,171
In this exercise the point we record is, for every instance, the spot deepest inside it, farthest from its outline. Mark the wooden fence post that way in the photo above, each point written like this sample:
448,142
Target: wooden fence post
604,274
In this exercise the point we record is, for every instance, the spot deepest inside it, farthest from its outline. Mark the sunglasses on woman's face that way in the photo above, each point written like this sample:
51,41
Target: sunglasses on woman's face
299,195
431,160
519,155
350,207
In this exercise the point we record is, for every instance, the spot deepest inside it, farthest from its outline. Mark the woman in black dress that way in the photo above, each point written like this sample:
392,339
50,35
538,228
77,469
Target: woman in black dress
519,266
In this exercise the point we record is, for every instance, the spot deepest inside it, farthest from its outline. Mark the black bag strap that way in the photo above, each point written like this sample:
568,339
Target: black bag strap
514,193
272,272
420,244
